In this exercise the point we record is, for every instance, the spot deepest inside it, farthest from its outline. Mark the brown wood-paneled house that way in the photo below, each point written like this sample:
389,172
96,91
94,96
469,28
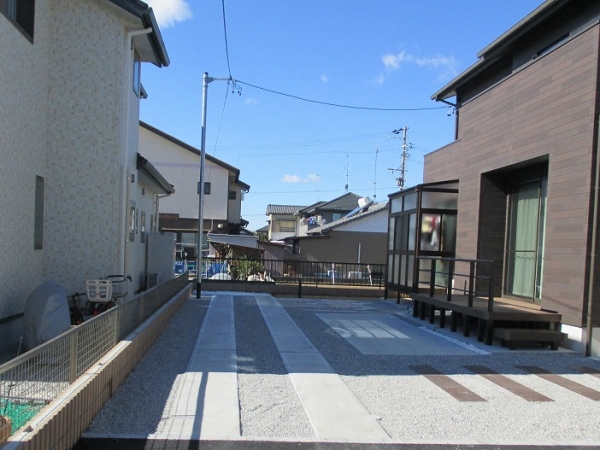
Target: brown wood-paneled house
525,156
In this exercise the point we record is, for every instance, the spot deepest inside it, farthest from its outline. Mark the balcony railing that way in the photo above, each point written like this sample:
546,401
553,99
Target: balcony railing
472,278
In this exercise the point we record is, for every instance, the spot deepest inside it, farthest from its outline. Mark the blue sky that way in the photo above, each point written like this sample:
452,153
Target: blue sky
384,55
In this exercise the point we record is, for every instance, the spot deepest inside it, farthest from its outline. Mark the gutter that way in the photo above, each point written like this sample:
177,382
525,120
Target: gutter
143,12
145,166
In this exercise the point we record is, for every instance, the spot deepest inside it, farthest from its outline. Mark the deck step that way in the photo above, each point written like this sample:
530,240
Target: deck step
510,336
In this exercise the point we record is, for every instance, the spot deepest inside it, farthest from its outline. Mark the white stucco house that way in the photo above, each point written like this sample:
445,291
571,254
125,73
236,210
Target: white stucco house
223,189
69,110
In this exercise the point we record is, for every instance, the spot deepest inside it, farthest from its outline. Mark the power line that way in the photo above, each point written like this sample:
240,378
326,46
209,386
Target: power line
336,104
226,43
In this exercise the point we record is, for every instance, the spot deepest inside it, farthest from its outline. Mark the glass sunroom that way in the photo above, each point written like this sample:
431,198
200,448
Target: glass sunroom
422,222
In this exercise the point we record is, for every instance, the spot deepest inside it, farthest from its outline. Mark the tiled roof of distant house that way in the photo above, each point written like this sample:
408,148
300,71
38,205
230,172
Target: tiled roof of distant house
283,209
309,210
372,209
346,202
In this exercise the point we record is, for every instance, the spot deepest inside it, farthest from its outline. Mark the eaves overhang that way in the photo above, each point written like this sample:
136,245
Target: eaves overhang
151,47
499,46
150,171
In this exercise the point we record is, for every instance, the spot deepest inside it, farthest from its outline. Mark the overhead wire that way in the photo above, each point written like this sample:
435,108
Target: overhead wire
337,105
235,86
226,43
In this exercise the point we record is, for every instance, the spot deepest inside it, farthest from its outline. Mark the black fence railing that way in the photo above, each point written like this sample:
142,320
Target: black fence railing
294,272
472,278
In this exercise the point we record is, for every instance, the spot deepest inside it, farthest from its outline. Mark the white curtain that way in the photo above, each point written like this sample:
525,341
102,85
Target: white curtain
524,239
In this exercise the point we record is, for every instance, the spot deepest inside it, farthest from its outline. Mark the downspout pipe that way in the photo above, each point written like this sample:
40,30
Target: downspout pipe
124,175
157,209
590,299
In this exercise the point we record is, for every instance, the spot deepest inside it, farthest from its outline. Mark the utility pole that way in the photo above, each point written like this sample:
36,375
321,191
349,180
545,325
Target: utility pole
401,180
206,80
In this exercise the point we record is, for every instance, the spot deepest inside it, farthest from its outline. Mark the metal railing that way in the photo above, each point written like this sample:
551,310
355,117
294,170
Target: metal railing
293,272
34,379
474,278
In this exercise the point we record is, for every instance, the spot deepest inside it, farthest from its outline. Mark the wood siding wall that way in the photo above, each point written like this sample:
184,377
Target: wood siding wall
547,109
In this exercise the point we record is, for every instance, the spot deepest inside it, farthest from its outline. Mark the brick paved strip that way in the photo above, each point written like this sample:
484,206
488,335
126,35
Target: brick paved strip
455,389
561,381
589,371
509,384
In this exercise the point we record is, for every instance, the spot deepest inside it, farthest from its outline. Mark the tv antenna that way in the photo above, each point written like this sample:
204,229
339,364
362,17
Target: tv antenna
346,187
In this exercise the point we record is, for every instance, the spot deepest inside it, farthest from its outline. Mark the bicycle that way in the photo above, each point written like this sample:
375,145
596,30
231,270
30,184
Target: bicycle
106,292
77,317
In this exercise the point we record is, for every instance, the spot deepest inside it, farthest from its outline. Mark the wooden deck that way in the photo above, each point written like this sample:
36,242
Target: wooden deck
505,313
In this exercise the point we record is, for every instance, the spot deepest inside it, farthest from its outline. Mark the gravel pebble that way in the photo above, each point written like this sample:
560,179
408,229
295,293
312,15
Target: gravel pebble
408,406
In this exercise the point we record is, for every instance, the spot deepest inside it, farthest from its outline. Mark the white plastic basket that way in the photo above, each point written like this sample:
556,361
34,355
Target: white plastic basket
99,291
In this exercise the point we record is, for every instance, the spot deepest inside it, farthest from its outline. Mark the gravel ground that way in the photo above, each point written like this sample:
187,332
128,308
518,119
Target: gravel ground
265,391
410,407
145,398
413,408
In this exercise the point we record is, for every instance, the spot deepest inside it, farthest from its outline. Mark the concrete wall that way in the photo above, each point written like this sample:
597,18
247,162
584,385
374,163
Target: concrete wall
547,109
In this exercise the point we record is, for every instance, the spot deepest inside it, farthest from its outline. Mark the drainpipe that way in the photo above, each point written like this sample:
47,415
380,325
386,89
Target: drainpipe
157,208
590,302
123,233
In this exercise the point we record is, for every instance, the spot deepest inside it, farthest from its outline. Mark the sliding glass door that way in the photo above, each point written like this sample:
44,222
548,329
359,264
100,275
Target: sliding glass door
525,249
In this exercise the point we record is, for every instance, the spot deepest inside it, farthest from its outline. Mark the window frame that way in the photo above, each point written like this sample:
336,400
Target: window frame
21,13
38,226
137,74
287,229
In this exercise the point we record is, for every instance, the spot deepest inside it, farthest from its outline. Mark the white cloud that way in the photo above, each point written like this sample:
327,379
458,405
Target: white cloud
437,61
291,179
324,78
168,12
447,64
393,61
379,79
312,178
251,101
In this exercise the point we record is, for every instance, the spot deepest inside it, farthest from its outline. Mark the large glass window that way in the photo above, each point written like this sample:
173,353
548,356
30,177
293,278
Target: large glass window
430,232
287,225
525,250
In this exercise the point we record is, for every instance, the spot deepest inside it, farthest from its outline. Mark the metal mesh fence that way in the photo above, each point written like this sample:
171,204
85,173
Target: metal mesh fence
34,379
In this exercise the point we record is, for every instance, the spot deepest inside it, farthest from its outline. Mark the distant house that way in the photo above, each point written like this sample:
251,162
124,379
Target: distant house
283,221
321,213
526,163
70,89
358,238
222,187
